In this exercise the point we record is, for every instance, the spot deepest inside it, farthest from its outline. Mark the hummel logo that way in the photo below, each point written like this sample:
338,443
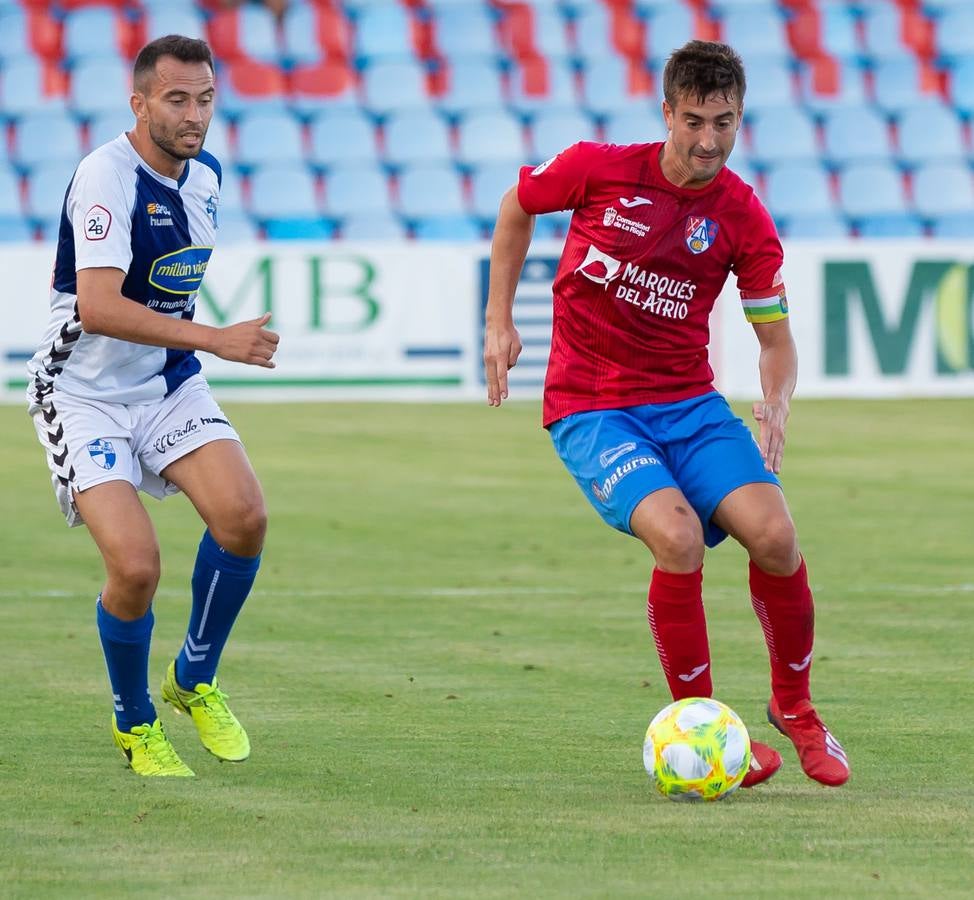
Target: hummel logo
636,201
800,667
694,673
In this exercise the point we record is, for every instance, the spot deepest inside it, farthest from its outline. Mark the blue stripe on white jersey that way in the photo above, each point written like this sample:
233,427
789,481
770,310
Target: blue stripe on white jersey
119,213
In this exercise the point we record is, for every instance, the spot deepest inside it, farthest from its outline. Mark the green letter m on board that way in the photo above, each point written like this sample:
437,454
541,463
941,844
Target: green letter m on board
943,285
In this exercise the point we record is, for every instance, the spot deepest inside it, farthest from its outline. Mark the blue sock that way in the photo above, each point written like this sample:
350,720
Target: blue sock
221,583
126,646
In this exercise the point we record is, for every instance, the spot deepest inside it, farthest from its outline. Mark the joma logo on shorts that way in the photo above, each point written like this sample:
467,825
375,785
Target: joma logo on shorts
176,436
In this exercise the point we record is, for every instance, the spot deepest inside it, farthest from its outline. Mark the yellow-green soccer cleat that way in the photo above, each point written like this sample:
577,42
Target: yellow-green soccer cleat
218,728
149,752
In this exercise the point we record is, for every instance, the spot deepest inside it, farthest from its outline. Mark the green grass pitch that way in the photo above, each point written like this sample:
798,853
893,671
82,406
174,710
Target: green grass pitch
446,673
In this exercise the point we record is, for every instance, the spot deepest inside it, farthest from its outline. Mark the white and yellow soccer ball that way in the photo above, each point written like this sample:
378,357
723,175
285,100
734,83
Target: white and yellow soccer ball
697,749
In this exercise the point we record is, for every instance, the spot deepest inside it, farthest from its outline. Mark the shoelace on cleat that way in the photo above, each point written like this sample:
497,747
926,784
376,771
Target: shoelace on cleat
157,746
215,702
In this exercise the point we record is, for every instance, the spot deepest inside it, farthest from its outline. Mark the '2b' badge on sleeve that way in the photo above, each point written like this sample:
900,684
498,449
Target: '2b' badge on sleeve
97,222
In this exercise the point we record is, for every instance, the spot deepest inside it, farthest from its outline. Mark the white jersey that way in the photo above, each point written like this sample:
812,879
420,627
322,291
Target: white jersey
120,213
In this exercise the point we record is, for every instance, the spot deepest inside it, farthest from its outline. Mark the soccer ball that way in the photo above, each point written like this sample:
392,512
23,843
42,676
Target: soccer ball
697,749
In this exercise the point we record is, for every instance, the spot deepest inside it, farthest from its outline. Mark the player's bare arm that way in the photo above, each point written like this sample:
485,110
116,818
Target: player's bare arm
104,310
778,366
502,343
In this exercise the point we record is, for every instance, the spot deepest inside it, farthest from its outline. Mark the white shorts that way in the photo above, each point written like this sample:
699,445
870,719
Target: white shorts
90,442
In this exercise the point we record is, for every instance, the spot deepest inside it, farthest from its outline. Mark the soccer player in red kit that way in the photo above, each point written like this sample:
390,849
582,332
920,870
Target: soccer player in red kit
629,399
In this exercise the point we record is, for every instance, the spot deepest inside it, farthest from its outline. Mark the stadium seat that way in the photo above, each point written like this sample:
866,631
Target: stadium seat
375,227
391,86
25,87
430,190
822,226
299,229
798,189
882,26
594,35
553,226
46,137
855,133
217,139
92,32
625,128
491,137
929,132
107,126
382,31
769,84
283,191
353,190
896,84
825,86
555,130
871,190
15,231
957,226
415,136
955,32
164,18
342,136
300,30
550,34
9,193
448,228
941,189
784,134
46,187
99,86
755,30
488,184
269,136
962,86
895,225
242,87
537,84
14,34
471,84
234,227
614,84
465,31
327,85
838,34
231,193
668,26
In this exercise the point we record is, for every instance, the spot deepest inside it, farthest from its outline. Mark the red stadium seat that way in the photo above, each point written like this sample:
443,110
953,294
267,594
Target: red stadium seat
224,33
255,80
45,34
328,80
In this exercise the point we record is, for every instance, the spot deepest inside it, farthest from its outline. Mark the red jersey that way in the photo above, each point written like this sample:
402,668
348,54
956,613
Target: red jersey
643,264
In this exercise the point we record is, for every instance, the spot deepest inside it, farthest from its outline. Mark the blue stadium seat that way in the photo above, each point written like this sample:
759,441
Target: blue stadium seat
382,31
235,226
465,31
941,189
560,93
551,34
269,136
107,126
342,136
668,26
930,132
231,193
784,134
374,227
392,86
755,30
825,225
553,226
881,27
448,228
488,184
855,133
894,225
798,189
555,130
21,88
625,128
356,190
472,84
415,136
851,92
839,29
871,190
166,18
14,35
769,84
744,168
283,191
258,33
300,27
896,83
48,136
962,85
15,231
217,139
593,30
9,193
299,230
99,85
955,32
46,187
953,227
606,89
491,137
90,31
430,190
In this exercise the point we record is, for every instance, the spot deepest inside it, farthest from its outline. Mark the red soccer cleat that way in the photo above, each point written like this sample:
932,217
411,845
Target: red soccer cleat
820,754
765,761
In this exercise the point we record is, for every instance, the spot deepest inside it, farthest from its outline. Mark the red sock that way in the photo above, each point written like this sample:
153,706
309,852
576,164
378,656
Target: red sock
784,606
676,616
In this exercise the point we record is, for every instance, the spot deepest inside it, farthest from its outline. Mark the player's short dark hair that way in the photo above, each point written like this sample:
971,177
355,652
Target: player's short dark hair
700,69
184,49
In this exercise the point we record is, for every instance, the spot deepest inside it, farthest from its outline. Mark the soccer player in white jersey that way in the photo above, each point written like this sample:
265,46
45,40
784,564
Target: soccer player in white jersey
120,405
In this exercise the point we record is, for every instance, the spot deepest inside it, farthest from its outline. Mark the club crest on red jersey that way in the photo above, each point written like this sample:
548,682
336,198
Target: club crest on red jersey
700,233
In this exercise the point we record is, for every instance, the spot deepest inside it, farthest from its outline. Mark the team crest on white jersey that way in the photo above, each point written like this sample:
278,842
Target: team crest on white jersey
700,233
599,267
537,170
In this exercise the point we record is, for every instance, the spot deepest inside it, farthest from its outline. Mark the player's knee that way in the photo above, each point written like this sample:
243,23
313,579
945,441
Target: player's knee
242,529
775,547
679,547
137,575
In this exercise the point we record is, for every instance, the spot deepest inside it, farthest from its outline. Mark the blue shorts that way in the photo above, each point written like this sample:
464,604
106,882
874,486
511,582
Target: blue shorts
620,456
